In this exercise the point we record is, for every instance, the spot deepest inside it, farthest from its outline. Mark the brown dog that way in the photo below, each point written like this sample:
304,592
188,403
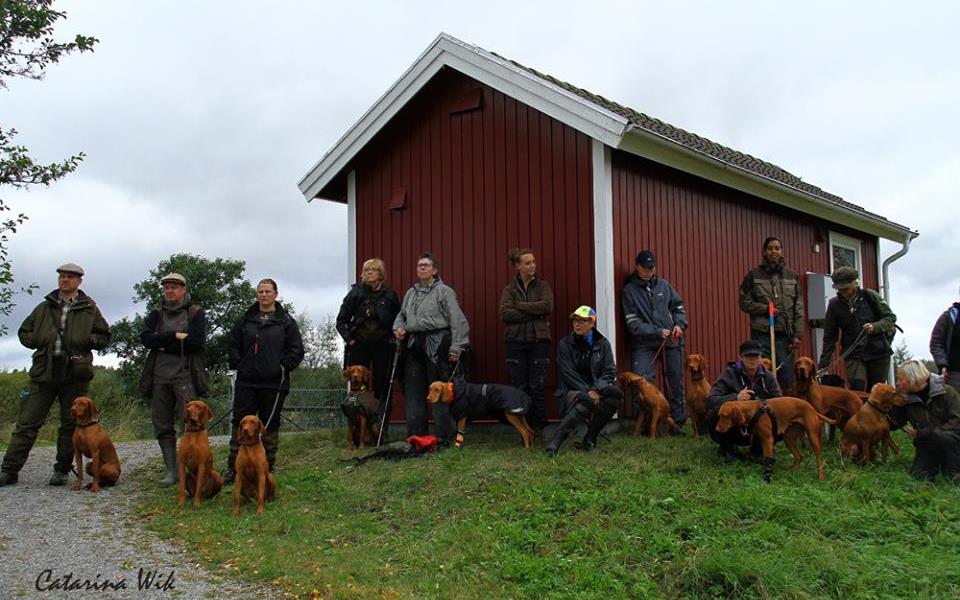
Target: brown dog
474,398
194,458
838,403
697,391
653,404
794,419
361,408
254,479
93,441
871,426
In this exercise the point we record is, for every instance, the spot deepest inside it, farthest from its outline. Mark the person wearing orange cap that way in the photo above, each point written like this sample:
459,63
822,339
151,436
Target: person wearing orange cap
586,372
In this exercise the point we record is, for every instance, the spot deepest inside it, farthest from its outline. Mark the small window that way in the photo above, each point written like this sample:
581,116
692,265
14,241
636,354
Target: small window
845,252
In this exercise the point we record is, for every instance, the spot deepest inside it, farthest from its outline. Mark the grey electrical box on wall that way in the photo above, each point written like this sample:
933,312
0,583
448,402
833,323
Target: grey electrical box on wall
819,292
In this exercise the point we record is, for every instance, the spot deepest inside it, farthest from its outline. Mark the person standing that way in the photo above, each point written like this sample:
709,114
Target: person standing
653,311
586,372
365,322
62,331
772,281
435,333
865,325
945,345
264,348
525,307
174,374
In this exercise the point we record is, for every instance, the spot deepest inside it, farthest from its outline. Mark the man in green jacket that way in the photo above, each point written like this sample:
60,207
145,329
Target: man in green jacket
865,325
772,281
62,330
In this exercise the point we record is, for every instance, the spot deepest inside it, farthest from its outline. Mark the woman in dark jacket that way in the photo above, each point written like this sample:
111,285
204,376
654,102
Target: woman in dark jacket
525,307
365,322
264,347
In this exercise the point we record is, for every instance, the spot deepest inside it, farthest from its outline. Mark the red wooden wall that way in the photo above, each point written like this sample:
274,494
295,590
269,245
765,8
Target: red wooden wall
706,237
477,179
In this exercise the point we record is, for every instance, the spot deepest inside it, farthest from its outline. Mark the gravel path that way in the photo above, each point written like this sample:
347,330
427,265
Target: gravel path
51,533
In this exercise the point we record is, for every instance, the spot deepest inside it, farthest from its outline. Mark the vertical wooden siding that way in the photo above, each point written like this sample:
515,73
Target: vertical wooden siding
477,183
706,237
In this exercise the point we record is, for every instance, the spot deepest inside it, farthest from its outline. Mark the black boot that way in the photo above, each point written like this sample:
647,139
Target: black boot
168,448
601,416
768,469
230,474
566,426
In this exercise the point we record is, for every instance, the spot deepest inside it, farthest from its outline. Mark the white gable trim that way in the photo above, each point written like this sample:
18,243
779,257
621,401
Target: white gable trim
486,68
603,242
351,228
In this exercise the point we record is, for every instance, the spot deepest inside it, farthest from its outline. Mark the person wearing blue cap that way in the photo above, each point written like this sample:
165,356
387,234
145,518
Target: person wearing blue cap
586,371
656,319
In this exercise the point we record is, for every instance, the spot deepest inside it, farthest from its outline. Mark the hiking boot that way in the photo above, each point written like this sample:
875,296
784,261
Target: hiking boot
587,445
8,478
551,452
229,476
58,478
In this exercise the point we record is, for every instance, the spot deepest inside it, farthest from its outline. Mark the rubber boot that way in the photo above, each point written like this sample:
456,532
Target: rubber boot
271,442
566,426
230,474
168,447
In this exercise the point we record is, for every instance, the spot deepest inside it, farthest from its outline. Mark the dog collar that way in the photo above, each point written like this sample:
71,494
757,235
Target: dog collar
201,428
93,422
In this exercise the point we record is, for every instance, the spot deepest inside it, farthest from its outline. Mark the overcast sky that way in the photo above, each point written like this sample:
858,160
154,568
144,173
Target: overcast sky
199,118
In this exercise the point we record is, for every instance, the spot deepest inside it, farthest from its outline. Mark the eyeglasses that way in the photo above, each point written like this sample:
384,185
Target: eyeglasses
424,266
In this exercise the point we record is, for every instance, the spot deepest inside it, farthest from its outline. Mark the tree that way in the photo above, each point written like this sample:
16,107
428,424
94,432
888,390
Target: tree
321,342
27,48
217,286
901,354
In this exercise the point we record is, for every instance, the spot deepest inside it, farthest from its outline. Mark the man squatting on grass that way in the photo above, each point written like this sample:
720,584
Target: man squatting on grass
933,409
745,379
586,372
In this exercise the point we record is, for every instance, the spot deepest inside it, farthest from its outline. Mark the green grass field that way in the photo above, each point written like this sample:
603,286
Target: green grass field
634,520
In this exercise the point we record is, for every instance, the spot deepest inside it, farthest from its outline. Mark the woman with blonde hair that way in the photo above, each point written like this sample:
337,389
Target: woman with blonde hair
933,408
365,322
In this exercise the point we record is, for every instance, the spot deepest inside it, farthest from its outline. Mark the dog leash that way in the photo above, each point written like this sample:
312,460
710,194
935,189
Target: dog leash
856,342
386,402
276,401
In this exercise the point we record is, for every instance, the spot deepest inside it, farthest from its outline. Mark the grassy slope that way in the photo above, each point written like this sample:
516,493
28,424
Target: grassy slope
633,520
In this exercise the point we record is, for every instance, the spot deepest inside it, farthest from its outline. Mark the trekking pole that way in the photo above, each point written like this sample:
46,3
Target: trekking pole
386,403
773,341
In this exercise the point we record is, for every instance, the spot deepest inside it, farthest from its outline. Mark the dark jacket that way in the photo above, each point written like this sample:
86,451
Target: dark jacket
938,407
85,330
573,349
165,342
526,312
649,307
942,335
476,399
734,379
258,348
361,301
847,317
778,283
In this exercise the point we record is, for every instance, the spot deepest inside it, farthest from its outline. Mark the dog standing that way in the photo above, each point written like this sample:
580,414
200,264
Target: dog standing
790,417
254,479
361,408
93,441
697,392
652,403
465,399
835,402
194,458
871,426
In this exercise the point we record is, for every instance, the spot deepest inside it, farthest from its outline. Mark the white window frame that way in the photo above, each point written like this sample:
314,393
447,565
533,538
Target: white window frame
849,243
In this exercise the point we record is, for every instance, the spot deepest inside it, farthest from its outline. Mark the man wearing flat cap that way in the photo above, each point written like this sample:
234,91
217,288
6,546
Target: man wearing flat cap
174,373
62,331
865,326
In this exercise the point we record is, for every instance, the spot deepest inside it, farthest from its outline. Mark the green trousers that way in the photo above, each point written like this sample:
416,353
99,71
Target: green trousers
33,412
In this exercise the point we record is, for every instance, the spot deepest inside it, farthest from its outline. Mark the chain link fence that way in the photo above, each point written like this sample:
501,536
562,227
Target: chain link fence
304,409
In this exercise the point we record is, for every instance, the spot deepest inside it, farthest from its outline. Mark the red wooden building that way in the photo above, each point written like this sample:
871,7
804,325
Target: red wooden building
470,154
